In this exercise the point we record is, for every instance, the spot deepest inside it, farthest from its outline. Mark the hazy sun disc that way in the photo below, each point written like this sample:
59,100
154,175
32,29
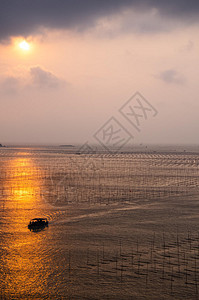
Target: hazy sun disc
24,45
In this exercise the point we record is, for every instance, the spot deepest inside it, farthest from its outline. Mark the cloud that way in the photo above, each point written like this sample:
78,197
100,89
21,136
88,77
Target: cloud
45,79
128,21
10,85
171,76
26,17
35,78
188,47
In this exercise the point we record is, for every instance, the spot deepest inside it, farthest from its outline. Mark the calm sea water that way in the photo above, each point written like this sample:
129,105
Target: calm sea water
121,226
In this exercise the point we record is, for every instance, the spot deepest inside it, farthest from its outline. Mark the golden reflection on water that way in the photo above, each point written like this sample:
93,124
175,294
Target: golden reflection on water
24,267
23,183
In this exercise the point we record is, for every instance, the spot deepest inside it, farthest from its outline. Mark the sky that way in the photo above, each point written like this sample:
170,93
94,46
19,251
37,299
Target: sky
71,71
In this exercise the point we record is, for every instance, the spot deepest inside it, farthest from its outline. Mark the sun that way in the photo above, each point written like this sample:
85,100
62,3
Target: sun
24,45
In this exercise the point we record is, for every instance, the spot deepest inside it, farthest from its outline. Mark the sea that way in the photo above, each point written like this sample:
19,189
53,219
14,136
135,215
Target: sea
122,224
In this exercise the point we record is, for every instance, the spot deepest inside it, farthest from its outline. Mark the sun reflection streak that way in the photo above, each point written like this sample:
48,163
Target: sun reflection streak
23,183
26,260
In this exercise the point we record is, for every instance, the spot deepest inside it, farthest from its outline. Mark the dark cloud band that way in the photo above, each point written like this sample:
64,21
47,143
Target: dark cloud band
24,17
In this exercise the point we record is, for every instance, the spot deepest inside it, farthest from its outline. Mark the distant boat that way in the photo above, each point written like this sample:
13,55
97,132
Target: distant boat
38,223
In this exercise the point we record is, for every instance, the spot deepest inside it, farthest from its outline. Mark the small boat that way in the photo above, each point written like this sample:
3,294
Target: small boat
38,223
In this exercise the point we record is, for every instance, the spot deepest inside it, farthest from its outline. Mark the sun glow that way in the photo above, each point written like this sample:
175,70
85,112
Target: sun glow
24,45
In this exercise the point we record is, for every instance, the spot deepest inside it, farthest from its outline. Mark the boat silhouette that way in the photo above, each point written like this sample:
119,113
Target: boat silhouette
38,224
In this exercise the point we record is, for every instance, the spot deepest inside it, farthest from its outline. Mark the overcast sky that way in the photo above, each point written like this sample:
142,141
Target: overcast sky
87,59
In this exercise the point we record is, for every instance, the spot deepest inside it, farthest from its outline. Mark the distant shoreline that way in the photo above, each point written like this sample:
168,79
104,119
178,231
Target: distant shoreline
68,146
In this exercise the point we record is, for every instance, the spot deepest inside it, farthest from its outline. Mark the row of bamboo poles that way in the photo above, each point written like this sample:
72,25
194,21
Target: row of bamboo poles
160,262
103,179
